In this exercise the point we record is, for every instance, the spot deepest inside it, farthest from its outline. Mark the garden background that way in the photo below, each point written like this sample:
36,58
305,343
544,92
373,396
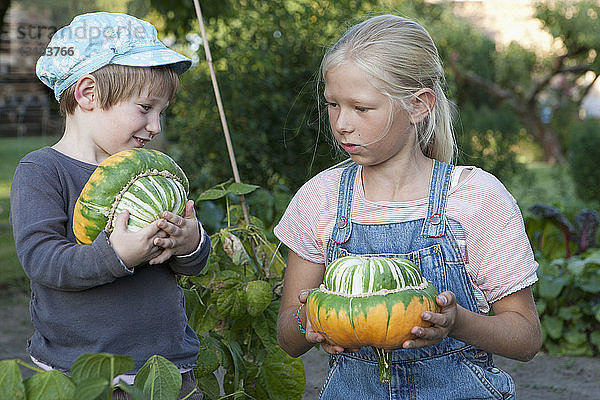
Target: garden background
522,115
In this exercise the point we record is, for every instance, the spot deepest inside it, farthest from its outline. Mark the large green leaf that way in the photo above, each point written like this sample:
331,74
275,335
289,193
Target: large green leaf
266,331
209,386
92,389
231,303
208,356
553,326
258,296
100,365
49,385
159,379
241,188
550,287
282,375
11,381
212,194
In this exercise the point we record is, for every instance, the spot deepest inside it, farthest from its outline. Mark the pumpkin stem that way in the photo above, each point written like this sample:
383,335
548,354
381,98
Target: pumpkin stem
384,359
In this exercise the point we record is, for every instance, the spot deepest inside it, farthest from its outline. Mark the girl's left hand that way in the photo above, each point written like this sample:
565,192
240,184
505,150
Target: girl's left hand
441,323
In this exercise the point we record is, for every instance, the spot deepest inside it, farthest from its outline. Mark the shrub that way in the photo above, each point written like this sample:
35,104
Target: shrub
584,150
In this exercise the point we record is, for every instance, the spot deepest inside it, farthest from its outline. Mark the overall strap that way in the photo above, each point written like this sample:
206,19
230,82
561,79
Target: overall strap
435,221
343,227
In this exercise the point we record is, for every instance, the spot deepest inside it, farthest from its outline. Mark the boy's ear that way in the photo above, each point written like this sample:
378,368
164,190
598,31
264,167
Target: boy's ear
422,103
85,92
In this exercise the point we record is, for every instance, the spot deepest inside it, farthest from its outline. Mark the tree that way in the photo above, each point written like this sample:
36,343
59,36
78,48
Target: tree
266,56
534,86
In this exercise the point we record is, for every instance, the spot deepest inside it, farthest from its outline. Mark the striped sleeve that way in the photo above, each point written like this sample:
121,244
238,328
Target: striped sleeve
500,258
309,218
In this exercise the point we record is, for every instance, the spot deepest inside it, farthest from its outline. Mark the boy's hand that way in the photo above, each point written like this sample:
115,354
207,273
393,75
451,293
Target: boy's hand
182,234
135,248
441,323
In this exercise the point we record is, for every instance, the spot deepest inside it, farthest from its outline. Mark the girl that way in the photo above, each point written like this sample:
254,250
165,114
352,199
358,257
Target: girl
399,197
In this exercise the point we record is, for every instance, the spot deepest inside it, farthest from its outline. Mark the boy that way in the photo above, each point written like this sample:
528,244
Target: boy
113,78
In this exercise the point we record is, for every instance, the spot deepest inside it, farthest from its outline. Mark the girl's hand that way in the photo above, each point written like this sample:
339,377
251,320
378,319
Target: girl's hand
315,337
183,234
441,323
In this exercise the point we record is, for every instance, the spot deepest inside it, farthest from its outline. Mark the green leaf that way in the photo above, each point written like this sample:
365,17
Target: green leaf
100,365
576,265
210,386
550,287
540,306
596,311
231,303
266,331
589,281
11,381
575,338
258,296
212,194
553,326
282,375
241,188
92,389
159,379
208,356
49,385
134,392
570,313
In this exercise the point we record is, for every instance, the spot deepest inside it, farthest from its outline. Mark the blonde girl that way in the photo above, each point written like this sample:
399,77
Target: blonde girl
401,197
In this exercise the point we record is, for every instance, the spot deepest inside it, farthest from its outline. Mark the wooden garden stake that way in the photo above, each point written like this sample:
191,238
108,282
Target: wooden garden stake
213,78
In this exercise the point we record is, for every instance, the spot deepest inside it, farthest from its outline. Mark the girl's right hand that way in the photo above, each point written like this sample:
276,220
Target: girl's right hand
313,336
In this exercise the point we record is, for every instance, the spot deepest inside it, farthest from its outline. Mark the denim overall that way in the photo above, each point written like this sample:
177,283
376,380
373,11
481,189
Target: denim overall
450,369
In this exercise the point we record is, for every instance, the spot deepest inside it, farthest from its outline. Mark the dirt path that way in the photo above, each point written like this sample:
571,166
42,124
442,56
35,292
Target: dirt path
543,378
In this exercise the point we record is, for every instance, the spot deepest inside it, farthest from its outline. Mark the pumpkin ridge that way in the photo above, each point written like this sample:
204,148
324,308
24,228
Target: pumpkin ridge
115,204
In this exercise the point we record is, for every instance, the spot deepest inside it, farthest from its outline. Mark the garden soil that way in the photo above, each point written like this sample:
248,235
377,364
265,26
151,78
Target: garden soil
543,378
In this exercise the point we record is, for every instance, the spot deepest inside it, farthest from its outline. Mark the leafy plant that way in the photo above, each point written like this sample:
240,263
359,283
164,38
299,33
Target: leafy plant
568,302
91,378
233,307
550,231
584,146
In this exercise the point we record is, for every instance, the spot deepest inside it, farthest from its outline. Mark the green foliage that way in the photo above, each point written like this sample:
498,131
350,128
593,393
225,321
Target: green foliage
265,207
233,307
266,56
554,236
568,302
91,378
584,152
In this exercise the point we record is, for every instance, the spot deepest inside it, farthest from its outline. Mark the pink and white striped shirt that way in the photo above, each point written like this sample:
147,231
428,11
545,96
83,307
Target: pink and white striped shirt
482,215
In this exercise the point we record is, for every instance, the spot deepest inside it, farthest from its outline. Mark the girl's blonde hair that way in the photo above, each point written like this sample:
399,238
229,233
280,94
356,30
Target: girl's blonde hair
401,58
117,83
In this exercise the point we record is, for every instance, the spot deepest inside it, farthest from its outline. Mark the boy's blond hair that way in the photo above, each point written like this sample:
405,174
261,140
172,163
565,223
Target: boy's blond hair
117,83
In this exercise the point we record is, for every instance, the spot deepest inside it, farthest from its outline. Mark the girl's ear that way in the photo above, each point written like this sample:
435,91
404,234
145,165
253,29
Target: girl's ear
422,103
85,92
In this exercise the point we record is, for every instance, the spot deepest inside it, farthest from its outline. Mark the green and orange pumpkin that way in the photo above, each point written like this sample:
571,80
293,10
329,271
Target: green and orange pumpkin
371,301
144,182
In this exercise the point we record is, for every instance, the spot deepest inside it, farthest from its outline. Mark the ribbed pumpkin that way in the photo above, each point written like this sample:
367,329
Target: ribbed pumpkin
145,182
371,301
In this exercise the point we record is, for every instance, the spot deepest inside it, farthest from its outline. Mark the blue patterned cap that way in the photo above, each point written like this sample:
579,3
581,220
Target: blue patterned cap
94,40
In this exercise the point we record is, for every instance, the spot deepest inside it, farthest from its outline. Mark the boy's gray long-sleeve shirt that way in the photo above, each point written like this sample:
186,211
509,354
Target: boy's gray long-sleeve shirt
82,298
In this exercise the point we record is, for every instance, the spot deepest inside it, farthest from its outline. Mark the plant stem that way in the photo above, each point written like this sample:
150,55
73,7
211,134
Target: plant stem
384,359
